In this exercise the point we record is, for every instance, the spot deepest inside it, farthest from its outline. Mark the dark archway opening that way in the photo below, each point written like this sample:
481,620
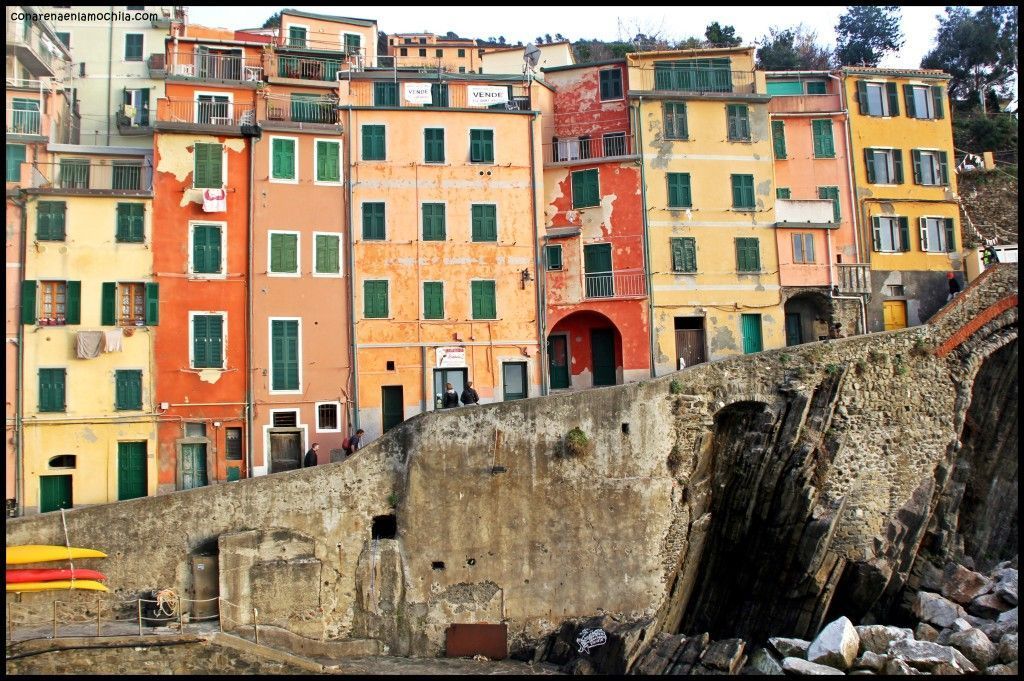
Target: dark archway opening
384,527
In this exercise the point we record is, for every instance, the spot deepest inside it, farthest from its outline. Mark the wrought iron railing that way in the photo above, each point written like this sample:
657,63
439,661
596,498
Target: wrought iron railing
95,174
307,67
596,148
217,113
676,78
24,121
216,66
320,110
620,284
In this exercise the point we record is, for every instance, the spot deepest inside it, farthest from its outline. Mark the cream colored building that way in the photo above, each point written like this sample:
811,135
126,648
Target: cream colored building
509,60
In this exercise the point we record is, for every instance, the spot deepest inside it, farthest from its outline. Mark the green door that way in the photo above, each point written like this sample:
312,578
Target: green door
514,380
602,349
558,361
392,406
597,263
193,466
54,492
751,333
131,470
794,335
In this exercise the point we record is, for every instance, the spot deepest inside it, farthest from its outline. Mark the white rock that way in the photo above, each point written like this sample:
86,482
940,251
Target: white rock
931,657
836,645
877,637
937,610
790,647
795,665
872,661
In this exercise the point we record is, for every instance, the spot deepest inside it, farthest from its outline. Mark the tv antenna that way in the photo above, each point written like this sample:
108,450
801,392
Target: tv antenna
531,57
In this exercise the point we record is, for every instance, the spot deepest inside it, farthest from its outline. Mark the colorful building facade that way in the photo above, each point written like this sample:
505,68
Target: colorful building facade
457,55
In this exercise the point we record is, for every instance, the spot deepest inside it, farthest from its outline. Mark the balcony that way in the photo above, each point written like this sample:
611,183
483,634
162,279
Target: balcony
589,149
308,68
35,49
133,120
319,110
804,212
853,278
444,95
185,114
157,65
221,67
782,104
670,78
125,176
26,121
620,284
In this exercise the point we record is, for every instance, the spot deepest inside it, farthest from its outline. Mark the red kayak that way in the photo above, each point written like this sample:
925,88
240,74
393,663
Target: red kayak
22,575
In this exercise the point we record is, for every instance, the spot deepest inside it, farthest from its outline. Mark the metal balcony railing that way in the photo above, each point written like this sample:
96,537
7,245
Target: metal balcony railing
129,116
450,95
94,174
303,67
321,110
676,78
620,284
853,278
218,113
24,122
216,66
596,148
37,52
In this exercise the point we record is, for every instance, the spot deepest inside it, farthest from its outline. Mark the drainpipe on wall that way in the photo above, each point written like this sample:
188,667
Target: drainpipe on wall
538,267
248,311
647,249
19,493
110,69
351,274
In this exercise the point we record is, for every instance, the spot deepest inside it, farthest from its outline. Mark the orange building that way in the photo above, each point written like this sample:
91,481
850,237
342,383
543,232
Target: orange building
355,38
458,55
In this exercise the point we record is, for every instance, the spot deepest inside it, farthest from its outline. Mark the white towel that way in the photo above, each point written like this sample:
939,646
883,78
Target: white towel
112,340
88,343
215,201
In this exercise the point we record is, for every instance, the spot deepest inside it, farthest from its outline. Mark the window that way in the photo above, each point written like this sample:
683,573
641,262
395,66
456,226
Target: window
483,300
233,444
832,194
199,429
553,257
128,389
375,299
15,157
423,41
130,224
803,248
51,390
439,53
739,122
742,192
895,291
328,417
779,139
327,254
64,37
59,302
684,254
207,244
877,99
207,341
74,173
296,36
782,192
930,167
937,235
462,53
63,461
438,94
129,303
208,172
125,175
679,195
433,145
433,222
924,102
50,218
611,83
433,300
282,158
132,307
284,253
423,52
352,43
823,144
385,94
133,46
614,143
373,142
890,234
328,161
284,354
748,255
481,146
484,222
404,52
674,114
585,189
373,221
884,166
694,75
816,87
462,69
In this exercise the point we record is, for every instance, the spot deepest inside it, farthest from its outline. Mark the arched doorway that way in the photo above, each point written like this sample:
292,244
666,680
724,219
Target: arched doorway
808,315
584,351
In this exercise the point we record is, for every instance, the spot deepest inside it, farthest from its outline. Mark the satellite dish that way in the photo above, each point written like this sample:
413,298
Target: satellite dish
531,55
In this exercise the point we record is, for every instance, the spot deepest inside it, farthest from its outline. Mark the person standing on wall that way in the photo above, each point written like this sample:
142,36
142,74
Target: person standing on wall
469,395
451,398
310,458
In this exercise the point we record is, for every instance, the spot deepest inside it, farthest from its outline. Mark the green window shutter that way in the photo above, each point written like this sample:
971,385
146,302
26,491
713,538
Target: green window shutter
876,234
152,303
433,222
207,341
373,143
894,99
284,350
679,195
206,255
375,299
738,122
129,222
52,390
779,139
385,94
611,84
50,220
869,163
433,300
283,166
28,301
782,193
284,253
743,191
128,389
937,98
904,233
553,256
108,304
15,157
585,190
438,95
73,308
433,145
674,114
485,223
950,235
897,164
832,194
684,254
328,161
915,157
373,221
748,256
208,172
483,300
943,168
908,97
481,146
823,143
328,257
862,97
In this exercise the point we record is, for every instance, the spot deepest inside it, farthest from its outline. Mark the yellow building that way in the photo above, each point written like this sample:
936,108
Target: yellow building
706,152
905,189
457,55
89,314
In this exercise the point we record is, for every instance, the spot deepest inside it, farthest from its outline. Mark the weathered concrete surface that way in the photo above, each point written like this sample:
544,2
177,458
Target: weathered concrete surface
496,522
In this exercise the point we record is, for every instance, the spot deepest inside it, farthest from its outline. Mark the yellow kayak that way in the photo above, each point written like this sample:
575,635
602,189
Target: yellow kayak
60,585
40,553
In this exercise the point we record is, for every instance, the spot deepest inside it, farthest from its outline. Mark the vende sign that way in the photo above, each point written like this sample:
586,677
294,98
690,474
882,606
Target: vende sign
486,95
450,357
417,93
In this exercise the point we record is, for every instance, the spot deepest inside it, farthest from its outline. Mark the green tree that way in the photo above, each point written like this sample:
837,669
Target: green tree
978,50
721,36
273,21
866,33
792,48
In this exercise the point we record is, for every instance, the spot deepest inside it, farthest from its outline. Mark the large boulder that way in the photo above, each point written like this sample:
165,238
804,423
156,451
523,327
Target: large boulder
931,657
1006,587
935,609
1008,650
725,655
962,585
975,645
877,637
790,647
764,663
796,665
989,606
836,645
1008,616
926,632
872,661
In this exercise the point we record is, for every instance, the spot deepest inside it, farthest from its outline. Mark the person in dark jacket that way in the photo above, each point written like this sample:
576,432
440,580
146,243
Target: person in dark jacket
310,458
469,395
450,398
954,285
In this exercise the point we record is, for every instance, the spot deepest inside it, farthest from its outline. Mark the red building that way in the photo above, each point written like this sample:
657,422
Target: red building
596,287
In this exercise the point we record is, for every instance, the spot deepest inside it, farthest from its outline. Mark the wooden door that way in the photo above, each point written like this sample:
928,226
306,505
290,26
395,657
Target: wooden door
392,406
131,470
602,350
794,332
54,492
193,466
558,361
689,347
894,313
285,451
